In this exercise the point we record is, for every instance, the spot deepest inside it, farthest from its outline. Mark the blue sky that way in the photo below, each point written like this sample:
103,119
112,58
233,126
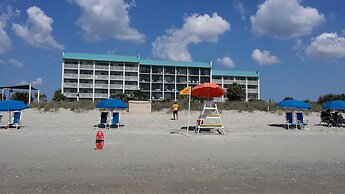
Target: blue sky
297,45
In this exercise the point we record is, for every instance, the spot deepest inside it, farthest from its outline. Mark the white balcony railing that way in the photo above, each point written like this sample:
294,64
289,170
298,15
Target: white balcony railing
86,76
84,66
117,77
240,82
101,95
85,95
228,81
71,66
70,94
70,85
131,68
67,75
253,82
102,67
217,80
118,68
131,87
131,78
252,90
85,85
101,86
116,86
101,76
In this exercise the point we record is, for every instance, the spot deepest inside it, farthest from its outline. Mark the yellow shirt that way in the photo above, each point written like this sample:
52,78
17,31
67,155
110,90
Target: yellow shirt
174,107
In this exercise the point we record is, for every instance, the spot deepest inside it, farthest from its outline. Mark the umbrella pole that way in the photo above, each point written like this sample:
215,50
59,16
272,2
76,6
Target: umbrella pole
190,93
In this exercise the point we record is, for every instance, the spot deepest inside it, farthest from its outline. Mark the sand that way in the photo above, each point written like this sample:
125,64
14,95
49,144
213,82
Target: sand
54,153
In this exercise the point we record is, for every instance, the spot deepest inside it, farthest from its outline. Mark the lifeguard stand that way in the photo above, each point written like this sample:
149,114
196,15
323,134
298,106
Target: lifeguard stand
209,118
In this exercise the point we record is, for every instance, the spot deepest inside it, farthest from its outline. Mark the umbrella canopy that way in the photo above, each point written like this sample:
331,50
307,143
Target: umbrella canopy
208,90
111,103
12,105
335,105
295,104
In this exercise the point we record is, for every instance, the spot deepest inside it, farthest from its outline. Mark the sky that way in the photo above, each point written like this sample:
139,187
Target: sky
298,46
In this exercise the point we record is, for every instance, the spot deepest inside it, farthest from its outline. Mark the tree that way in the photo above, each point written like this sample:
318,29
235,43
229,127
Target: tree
288,98
58,96
139,95
43,97
236,93
120,96
329,97
21,96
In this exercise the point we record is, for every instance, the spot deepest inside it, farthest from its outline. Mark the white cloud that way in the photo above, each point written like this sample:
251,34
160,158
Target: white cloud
226,61
38,29
196,29
240,7
264,57
16,63
102,19
36,82
327,46
285,19
5,42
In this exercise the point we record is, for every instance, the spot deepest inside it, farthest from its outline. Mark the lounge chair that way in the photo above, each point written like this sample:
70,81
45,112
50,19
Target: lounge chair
16,120
115,120
326,118
103,120
289,120
301,122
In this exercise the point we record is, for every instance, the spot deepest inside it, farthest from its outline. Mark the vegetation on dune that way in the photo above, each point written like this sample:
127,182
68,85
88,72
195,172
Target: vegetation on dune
234,94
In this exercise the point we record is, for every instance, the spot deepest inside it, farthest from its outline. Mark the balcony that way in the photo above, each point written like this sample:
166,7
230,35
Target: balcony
86,66
228,81
131,87
240,82
131,68
219,81
104,77
85,85
116,86
85,95
101,95
116,77
102,67
70,66
101,86
86,76
116,68
252,90
131,78
70,85
253,82
70,95
67,75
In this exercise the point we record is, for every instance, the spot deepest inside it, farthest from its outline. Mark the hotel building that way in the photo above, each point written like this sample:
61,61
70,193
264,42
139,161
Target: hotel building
96,76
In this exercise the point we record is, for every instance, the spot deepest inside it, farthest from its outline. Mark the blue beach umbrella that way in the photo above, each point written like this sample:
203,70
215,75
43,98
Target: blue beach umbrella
335,105
294,104
111,103
12,105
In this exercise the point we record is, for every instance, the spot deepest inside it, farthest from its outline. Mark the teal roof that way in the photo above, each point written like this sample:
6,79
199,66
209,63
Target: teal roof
175,63
99,57
235,73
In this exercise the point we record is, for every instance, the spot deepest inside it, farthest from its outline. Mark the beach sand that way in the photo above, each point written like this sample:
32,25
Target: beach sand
54,153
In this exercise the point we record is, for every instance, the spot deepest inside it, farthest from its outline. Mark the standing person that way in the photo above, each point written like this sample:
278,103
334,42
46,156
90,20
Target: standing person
175,109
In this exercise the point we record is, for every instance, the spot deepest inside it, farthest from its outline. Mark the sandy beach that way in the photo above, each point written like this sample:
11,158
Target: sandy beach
54,153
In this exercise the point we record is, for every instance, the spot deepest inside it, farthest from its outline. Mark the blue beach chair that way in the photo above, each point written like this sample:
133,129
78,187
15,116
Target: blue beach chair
289,120
16,119
115,121
103,120
301,122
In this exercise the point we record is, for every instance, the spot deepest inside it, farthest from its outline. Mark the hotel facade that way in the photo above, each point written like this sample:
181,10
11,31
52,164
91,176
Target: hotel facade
97,76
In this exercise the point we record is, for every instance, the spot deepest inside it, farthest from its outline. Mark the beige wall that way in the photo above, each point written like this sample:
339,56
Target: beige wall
139,106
